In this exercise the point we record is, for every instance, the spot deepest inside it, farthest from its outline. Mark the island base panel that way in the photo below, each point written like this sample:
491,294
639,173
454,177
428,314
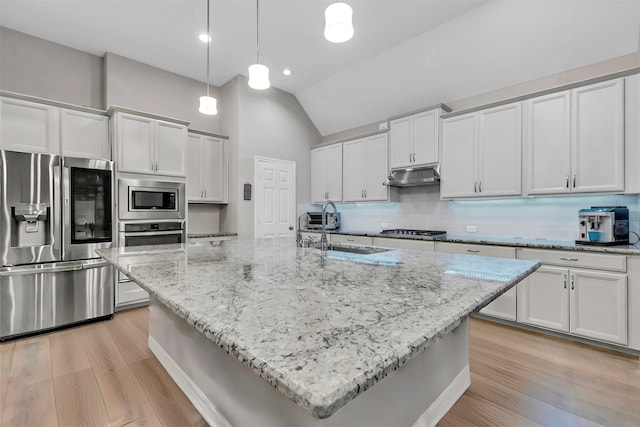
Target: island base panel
227,393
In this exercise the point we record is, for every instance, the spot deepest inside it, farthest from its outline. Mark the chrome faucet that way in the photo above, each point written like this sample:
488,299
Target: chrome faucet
323,243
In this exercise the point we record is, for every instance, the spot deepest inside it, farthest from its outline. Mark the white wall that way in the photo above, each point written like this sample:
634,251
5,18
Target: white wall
269,123
37,67
141,87
542,217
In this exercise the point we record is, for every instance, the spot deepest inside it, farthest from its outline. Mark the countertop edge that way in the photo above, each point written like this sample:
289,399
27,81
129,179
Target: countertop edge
497,241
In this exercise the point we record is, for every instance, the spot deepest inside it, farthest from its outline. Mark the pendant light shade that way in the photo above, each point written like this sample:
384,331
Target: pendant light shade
208,104
259,77
258,73
338,27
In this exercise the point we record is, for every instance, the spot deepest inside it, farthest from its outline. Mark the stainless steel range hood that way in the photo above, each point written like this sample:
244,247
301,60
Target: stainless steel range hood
414,176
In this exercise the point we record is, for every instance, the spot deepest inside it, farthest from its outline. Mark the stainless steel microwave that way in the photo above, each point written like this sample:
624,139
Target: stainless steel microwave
147,199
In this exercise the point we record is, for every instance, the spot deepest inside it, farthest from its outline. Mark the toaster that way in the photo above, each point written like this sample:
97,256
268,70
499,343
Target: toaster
314,220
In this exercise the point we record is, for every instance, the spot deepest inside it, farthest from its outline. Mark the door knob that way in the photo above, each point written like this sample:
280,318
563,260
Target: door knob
291,227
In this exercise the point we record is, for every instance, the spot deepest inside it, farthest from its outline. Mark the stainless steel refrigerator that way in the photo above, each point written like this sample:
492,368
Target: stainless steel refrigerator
54,212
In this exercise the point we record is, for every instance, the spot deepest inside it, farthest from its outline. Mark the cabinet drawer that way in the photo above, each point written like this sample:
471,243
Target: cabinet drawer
423,245
359,240
576,259
471,249
129,292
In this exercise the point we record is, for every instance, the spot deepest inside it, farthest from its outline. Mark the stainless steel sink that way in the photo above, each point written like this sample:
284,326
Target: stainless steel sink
363,250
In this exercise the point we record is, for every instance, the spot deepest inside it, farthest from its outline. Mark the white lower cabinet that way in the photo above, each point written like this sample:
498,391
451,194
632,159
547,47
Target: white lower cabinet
128,293
386,242
581,301
503,307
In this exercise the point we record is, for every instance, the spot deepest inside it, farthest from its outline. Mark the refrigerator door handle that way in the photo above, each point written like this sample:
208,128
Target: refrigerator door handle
38,269
94,263
65,230
57,212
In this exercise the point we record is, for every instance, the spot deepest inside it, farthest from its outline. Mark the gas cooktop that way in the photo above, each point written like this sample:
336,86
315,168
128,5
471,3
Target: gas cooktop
410,232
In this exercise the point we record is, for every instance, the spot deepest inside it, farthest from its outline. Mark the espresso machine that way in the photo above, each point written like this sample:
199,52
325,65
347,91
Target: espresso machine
603,226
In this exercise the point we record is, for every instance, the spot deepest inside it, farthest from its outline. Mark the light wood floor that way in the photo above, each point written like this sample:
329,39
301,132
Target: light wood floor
103,374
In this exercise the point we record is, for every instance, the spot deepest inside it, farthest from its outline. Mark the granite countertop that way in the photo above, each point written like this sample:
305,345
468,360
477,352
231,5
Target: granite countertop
503,241
207,235
320,328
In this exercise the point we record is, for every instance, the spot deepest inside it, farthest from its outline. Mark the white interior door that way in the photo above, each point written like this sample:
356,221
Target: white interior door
275,200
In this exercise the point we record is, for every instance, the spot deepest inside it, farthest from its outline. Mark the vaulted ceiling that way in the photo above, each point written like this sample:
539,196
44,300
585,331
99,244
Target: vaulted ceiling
405,54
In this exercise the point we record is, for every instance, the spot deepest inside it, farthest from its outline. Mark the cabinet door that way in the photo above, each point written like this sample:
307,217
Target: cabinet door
458,157
319,166
377,168
84,135
29,127
543,299
214,169
170,148
135,142
353,174
599,305
499,151
425,137
195,188
400,143
598,137
334,172
548,144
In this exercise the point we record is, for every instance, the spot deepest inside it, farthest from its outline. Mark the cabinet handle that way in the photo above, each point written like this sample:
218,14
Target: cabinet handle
473,251
205,194
365,194
151,166
475,187
573,278
565,281
479,186
156,163
409,157
574,181
567,181
569,259
413,159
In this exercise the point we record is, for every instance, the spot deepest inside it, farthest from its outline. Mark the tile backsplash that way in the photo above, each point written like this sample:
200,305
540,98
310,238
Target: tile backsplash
539,217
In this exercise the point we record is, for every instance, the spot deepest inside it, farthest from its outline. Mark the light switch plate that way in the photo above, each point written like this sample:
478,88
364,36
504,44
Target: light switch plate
471,229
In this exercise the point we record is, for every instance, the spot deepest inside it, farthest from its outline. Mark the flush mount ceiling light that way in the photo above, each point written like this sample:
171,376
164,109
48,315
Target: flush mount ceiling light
208,104
258,73
338,27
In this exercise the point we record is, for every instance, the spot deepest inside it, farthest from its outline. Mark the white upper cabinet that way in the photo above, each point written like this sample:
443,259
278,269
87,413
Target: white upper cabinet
365,167
414,140
575,140
481,153
84,135
632,134
149,146
207,169
29,126
598,137
170,148
326,173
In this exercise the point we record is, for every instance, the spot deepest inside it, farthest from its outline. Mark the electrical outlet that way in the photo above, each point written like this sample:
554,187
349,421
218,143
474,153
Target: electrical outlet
385,225
471,229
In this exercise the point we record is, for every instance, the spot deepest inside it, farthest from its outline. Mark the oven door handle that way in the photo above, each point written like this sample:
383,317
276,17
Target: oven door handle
151,233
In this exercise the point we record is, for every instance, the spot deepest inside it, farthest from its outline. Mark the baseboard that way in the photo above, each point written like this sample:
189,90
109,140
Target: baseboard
446,400
190,389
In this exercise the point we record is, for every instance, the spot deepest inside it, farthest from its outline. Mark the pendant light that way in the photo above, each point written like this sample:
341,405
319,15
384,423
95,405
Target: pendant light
208,104
258,73
338,27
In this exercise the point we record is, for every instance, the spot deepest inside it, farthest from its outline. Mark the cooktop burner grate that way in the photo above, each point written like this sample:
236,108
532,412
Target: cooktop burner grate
410,232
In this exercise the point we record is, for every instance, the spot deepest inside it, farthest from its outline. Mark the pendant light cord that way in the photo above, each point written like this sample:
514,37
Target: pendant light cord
209,40
257,33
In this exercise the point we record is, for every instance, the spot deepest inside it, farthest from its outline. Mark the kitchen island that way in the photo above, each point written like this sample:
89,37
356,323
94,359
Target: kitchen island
261,332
